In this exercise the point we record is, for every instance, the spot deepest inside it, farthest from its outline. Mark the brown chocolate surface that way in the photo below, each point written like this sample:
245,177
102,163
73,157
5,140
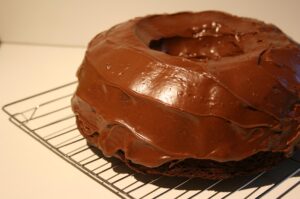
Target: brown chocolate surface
205,85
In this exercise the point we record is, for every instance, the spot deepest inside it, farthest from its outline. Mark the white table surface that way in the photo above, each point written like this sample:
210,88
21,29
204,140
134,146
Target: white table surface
27,169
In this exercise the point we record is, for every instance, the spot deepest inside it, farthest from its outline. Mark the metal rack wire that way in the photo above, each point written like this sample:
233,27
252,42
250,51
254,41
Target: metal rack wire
48,118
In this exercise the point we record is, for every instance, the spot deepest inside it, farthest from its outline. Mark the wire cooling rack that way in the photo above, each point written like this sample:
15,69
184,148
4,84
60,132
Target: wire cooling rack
48,118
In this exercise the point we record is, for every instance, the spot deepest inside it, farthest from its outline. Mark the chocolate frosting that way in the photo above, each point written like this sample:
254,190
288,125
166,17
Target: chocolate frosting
205,85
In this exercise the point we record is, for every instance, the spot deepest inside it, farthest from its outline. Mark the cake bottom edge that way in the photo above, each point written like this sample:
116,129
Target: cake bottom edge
206,169
197,168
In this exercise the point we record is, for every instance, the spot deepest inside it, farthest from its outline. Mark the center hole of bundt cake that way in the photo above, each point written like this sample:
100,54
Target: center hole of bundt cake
198,48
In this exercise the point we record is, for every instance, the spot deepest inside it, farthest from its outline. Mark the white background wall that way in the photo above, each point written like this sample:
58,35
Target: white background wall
75,22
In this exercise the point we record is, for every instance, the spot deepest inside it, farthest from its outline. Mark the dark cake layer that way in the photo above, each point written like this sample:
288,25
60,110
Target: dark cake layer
208,169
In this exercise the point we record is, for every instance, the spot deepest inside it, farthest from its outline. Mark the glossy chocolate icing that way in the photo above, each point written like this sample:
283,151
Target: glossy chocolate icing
204,85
